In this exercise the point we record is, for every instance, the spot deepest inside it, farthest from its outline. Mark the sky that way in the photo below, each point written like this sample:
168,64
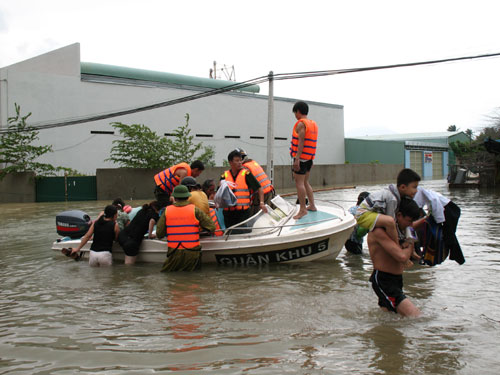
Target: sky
186,37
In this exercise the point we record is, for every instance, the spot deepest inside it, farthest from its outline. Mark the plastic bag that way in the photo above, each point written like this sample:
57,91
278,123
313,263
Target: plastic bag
225,197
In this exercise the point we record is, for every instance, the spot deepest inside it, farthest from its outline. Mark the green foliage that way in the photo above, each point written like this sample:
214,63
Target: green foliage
452,128
182,148
17,151
465,149
143,148
140,147
208,156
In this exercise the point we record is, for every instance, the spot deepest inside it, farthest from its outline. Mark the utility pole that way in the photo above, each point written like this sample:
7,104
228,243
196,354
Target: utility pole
270,129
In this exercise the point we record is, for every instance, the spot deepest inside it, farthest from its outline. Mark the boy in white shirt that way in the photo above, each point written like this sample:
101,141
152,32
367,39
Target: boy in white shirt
446,213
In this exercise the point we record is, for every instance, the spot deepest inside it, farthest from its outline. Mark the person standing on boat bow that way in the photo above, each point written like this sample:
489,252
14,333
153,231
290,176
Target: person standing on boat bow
168,179
303,151
261,176
181,223
246,184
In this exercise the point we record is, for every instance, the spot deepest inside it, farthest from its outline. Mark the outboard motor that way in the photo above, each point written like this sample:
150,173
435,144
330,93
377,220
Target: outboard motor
73,223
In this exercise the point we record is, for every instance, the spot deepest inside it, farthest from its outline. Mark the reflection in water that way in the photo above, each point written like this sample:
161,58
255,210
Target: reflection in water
389,344
61,316
182,314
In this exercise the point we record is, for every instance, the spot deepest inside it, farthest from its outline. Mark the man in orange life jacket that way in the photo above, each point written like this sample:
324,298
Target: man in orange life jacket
169,178
261,176
303,151
181,223
246,183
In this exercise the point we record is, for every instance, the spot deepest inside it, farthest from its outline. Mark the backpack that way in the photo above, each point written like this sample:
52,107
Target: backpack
434,250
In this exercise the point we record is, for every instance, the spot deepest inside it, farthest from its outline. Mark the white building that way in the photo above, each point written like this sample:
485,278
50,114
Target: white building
57,86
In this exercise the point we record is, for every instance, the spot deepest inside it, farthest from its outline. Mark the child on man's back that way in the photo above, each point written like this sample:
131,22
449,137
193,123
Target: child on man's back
378,210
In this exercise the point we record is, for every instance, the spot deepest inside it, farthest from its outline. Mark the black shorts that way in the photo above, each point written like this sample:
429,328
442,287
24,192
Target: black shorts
305,166
389,289
129,245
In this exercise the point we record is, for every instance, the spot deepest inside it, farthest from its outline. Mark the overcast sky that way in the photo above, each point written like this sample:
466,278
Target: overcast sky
185,37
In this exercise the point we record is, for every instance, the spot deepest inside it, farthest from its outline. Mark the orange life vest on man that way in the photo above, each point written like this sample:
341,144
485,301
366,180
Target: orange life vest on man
167,179
182,227
241,191
260,175
310,140
213,216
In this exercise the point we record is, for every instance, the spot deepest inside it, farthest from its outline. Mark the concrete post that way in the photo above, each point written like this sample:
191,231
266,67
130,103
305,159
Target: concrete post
270,129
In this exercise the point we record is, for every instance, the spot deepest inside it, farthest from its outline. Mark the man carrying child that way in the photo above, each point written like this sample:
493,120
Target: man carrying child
378,210
389,259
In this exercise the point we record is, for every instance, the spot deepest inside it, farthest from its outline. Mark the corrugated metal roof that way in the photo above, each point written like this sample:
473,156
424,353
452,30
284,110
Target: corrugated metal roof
409,136
156,76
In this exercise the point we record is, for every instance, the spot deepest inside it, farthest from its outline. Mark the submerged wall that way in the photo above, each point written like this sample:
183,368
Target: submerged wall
138,183
18,188
129,183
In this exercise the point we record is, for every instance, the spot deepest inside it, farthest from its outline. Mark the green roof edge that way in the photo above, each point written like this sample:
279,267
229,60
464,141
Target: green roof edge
156,76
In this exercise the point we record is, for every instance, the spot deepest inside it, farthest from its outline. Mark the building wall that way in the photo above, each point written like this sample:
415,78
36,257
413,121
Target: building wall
18,188
394,152
50,87
129,183
360,151
138,183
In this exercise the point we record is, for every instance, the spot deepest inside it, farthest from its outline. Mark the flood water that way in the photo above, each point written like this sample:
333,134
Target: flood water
58,316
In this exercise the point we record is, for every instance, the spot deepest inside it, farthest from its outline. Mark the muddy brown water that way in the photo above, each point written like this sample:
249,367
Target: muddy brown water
58,316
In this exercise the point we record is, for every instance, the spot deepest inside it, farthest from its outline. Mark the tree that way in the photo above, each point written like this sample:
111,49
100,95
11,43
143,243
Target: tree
208,156
143,148
452,128
182,146
140,148
17,151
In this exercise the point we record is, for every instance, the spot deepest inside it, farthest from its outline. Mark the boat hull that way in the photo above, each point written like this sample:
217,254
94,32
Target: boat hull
299,241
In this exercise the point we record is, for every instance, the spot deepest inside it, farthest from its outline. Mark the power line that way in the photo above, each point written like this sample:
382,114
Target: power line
237,86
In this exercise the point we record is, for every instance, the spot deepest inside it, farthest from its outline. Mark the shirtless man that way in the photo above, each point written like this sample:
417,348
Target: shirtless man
389,262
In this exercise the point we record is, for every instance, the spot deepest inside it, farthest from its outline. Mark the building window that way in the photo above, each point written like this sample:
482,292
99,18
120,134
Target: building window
232,136
205,135
280,138
256,137
102,132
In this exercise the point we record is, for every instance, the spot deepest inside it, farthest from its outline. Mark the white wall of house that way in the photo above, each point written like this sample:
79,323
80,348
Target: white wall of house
50,86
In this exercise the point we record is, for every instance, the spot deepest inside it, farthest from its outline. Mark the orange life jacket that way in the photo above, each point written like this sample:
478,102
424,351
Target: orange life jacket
241,191
167,179
310,140
213,216
182,226
260,175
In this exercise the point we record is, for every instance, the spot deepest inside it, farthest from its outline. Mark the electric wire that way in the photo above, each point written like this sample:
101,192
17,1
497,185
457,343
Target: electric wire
238,86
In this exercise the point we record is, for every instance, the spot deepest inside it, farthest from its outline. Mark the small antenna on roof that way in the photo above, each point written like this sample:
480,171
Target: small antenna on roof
229,72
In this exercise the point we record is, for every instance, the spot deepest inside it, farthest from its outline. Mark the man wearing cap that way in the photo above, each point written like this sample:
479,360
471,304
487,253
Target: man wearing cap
181,223
198,197
168,179
265,182
246,184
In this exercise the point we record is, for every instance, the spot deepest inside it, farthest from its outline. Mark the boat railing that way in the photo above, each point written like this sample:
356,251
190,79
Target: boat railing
333,204
246,227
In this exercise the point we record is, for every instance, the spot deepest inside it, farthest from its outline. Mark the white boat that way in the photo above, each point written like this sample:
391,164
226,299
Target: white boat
275,237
